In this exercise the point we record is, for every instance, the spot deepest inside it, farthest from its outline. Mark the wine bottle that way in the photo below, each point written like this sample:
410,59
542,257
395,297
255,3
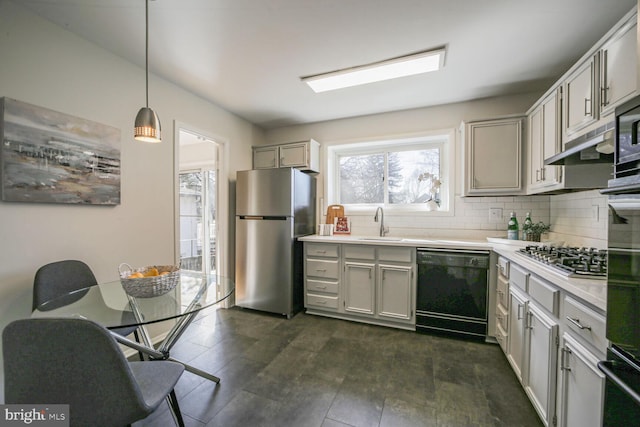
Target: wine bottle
512,227
526,226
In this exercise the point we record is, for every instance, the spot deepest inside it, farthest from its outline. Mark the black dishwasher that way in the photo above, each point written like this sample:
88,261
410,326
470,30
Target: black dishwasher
453,288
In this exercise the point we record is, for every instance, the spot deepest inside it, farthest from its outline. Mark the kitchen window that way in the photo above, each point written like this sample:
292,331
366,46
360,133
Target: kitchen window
406,174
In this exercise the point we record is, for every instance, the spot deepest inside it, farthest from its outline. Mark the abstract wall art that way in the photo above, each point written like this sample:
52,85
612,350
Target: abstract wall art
52,157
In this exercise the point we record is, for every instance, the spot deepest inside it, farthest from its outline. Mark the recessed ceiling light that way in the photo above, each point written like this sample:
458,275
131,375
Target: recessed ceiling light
418,63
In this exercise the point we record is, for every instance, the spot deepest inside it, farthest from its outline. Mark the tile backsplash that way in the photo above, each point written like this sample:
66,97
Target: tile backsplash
578,219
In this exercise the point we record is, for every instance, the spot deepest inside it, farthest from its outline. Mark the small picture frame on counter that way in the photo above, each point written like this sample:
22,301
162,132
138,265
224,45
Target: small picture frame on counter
341,225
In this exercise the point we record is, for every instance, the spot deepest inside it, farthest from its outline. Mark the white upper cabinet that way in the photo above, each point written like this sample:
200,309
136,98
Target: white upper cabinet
618,68
303,155
580,98
544,142
605,77
493,157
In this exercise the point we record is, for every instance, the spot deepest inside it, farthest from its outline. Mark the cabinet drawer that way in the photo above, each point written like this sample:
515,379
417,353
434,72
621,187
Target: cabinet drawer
502,317
503,267
322,250
322,286
518,277
501,337
359,252
322,301
502,292
387,253
586,323
546,295
322,268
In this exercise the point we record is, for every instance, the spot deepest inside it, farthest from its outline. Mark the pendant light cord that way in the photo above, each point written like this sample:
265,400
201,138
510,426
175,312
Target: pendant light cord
146,48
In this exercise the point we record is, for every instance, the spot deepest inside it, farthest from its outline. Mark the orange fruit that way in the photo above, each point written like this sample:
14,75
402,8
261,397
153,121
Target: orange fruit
135,275
152,272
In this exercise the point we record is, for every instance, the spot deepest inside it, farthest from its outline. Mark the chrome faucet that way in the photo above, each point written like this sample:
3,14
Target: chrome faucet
380,214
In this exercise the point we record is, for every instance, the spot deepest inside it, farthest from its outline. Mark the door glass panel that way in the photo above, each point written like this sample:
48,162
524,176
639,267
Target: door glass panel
198,221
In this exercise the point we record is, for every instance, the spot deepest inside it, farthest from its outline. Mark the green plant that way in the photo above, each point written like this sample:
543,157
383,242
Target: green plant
536,229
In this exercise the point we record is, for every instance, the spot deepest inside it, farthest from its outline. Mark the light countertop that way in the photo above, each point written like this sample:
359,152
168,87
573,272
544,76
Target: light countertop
401,241
591,291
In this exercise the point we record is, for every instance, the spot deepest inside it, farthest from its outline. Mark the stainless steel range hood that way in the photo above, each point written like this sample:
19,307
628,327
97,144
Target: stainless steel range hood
587,160
593,147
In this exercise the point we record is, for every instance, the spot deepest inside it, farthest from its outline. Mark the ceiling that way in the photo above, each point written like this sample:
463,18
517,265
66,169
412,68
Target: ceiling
248,55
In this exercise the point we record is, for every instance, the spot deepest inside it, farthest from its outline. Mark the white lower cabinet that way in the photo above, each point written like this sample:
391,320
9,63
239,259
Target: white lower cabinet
502,303
532,342
376,284
322,276
395,292
540,381
582,385
518,304
359,288
560,376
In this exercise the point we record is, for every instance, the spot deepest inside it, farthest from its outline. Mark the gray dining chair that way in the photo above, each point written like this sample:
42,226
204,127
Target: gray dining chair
57,279
79,363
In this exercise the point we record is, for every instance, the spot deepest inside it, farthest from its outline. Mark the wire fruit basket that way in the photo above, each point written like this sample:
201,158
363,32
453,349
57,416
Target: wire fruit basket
148,282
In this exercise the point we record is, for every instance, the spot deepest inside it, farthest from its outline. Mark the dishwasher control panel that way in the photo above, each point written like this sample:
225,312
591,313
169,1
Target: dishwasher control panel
454,259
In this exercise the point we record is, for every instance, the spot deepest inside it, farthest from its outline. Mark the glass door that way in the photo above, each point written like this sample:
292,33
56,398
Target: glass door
198,231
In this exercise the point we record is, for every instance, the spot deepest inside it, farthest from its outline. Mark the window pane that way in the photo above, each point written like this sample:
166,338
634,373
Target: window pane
405,168
211,212
191,221
362,179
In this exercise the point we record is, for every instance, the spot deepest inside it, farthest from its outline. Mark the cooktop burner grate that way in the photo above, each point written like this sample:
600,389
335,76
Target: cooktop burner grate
589,263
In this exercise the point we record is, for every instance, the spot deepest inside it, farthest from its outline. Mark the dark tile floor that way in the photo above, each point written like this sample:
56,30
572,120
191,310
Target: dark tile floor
316,371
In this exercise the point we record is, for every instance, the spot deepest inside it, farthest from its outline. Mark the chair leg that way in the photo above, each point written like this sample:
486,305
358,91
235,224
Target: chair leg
135,335
175,408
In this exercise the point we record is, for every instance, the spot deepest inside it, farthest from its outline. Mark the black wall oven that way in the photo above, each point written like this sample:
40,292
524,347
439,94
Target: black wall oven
622,367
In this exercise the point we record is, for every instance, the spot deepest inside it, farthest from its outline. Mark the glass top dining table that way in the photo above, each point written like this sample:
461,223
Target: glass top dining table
110,306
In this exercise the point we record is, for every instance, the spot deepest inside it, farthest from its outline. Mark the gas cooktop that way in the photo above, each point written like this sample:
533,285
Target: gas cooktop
589,263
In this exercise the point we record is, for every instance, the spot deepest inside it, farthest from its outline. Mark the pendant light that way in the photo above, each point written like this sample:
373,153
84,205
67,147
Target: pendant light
147,124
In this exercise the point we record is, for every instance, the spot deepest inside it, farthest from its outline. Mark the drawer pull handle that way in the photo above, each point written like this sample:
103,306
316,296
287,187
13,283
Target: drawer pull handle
321,252
577,323
321,269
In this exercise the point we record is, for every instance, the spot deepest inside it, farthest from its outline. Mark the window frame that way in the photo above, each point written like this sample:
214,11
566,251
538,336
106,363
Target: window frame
443,139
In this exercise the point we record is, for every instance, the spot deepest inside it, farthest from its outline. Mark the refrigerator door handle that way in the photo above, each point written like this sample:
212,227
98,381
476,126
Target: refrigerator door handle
251,217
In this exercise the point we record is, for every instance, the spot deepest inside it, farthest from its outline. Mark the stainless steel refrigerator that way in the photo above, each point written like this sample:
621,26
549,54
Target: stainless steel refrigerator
273,208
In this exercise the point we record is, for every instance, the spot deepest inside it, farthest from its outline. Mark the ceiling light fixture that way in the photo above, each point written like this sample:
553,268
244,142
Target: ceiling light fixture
147,124
417,63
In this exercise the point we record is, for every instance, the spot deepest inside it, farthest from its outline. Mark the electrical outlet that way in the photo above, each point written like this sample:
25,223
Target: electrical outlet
495,214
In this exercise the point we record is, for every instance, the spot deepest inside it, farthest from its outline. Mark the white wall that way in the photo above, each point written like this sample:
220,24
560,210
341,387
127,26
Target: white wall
46,65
